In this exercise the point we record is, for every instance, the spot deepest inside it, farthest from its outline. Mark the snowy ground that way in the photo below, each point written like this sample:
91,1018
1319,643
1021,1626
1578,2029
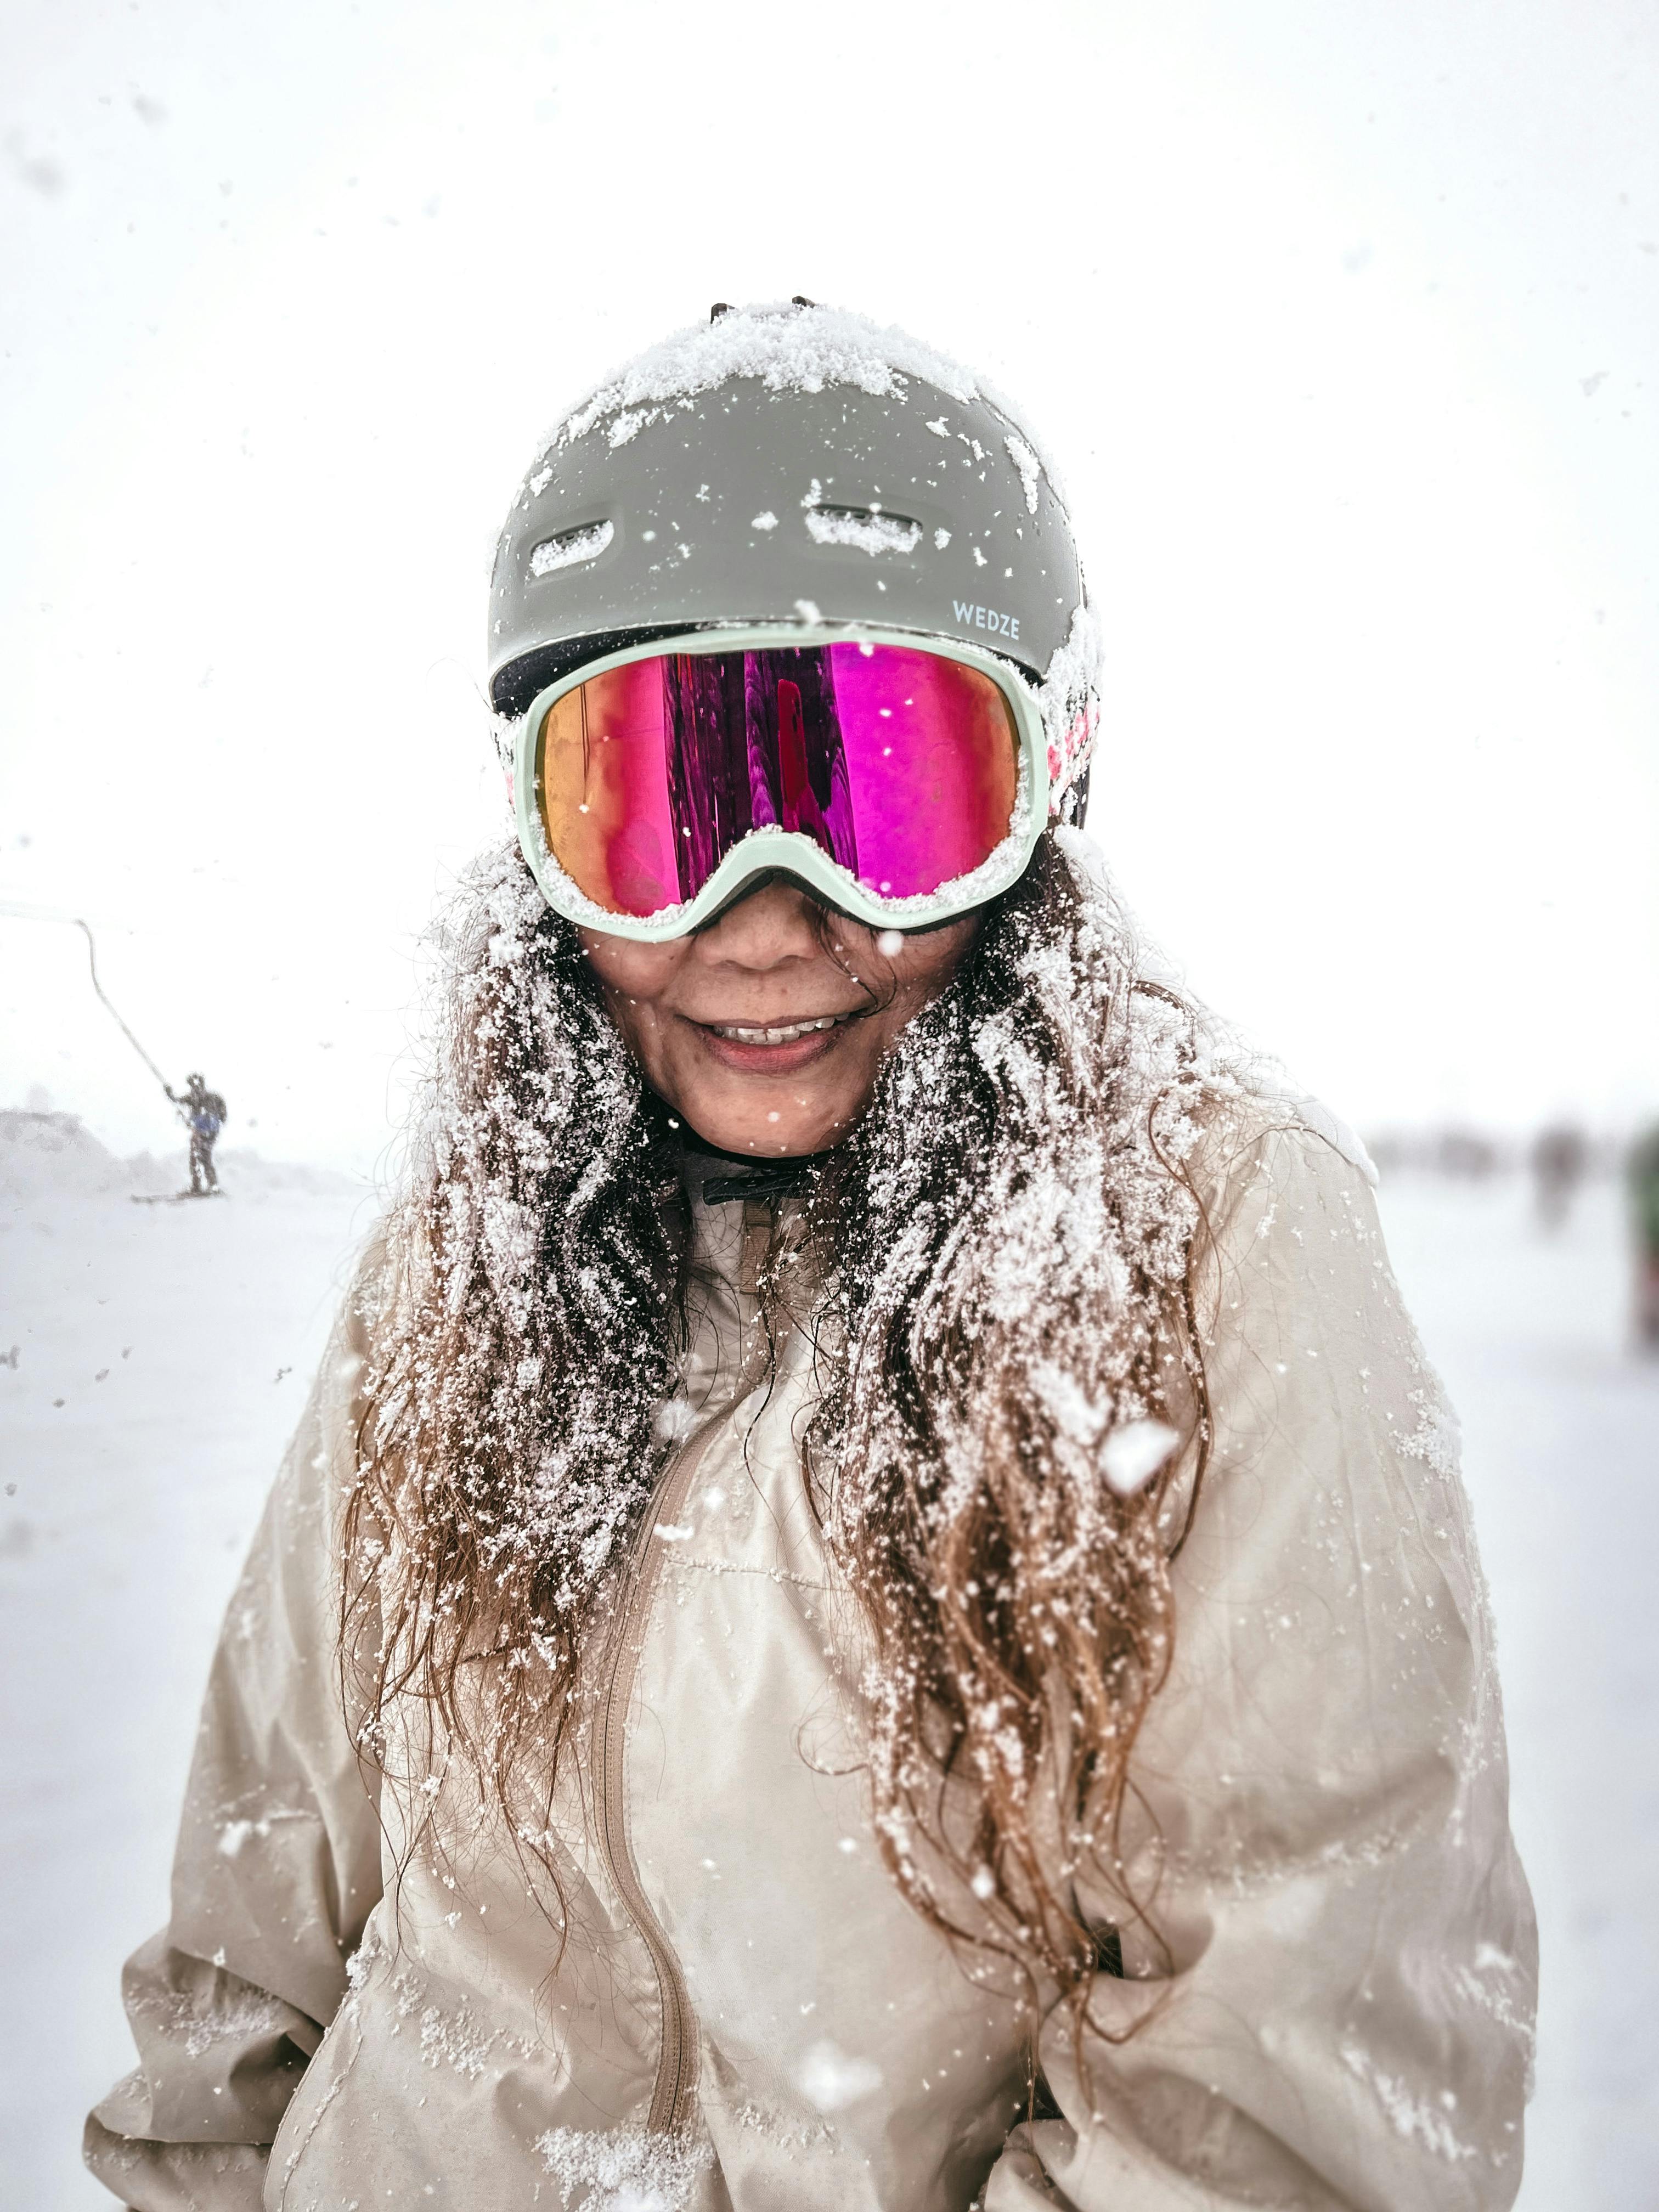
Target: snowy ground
1561,1455
135,1496
161,1354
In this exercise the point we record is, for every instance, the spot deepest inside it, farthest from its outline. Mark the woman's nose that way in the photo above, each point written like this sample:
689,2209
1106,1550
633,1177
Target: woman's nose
775,921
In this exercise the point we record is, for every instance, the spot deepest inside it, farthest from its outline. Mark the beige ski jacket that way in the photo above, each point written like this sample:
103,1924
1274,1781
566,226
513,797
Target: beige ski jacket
746,2016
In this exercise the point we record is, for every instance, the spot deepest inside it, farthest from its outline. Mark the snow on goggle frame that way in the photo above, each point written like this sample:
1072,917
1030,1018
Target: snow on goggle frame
903,783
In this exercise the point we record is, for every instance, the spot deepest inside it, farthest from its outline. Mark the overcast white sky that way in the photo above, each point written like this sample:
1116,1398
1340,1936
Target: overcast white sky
1340,321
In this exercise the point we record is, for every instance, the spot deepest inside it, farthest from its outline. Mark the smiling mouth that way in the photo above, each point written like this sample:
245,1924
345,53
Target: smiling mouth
785,1033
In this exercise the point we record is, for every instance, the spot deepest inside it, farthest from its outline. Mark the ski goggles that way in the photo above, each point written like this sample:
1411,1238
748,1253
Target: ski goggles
903,783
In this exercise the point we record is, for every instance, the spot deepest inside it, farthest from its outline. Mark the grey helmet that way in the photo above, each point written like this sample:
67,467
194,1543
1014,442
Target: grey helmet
793,464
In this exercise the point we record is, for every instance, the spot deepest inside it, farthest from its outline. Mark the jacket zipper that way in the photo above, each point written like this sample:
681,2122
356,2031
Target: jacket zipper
676,2066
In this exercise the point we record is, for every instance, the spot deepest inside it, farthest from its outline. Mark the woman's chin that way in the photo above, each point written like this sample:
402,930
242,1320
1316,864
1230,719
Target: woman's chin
768,1127
779,1102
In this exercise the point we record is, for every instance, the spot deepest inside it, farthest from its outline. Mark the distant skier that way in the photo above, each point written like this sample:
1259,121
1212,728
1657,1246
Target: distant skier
204,1115
1560,1161
1643,1167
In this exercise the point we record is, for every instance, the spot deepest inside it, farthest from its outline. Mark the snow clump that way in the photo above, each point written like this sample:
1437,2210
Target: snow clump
1133,1455
627,2169
830,2080
784,347
869,533
1030,469
1410,2115
571,549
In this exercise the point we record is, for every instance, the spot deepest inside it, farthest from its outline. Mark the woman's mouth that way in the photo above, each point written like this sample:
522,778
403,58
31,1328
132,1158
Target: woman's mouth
785,1034
771,1048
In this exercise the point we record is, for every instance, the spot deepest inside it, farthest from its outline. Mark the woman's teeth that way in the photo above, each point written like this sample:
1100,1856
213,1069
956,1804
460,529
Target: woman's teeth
785,1035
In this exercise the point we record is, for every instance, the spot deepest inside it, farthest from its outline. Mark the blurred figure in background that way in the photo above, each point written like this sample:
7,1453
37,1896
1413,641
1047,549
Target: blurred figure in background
204,1115
1465,1154
1560,1160
1643,1171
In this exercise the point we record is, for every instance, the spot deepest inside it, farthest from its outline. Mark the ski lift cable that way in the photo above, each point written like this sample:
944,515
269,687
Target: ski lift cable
17,912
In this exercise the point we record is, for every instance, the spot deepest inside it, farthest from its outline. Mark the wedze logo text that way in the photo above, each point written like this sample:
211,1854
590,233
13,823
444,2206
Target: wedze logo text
972,617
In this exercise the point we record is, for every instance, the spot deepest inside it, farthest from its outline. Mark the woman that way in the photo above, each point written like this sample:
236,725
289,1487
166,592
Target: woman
873,1607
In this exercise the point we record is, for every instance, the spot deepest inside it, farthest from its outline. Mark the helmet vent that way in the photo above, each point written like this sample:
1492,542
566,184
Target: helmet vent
571,547
864,527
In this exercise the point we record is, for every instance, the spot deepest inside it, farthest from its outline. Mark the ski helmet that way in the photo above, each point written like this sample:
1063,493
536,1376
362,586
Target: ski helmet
793,464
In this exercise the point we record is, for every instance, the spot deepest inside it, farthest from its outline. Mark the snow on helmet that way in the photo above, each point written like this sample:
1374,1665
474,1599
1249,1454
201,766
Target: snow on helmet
794,464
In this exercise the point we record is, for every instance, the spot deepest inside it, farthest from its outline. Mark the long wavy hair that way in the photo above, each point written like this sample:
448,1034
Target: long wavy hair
1009,1423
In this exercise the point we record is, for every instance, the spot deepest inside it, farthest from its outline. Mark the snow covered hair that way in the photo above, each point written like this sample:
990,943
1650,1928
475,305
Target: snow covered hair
1010,1423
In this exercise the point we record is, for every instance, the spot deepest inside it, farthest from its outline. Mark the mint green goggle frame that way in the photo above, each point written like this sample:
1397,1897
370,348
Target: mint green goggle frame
764,852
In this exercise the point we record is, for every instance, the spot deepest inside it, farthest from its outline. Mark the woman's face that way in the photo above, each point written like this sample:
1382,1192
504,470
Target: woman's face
715,1019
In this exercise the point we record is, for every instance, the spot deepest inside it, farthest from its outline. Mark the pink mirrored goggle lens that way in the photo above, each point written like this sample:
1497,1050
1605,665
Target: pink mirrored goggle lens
901,765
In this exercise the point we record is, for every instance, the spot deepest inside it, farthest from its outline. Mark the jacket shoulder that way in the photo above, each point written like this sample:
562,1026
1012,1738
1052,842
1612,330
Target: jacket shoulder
1260,1128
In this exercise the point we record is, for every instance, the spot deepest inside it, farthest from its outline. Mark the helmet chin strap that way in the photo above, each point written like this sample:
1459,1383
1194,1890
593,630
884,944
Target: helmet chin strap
1074,801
